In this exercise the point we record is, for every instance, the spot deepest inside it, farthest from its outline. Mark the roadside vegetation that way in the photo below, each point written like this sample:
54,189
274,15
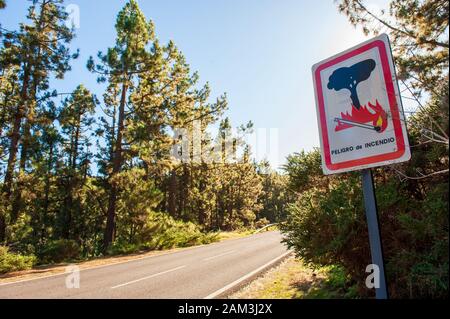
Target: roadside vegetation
326,226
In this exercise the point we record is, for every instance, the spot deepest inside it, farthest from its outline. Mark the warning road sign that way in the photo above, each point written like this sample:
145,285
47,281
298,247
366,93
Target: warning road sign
359,110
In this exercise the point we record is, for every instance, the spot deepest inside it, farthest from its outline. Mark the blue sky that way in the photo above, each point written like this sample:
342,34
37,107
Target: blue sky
259,52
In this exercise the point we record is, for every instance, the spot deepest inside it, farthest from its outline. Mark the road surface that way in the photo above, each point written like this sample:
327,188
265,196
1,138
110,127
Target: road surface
201,272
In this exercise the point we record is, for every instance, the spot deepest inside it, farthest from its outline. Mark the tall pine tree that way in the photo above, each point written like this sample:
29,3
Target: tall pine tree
39,50
121,66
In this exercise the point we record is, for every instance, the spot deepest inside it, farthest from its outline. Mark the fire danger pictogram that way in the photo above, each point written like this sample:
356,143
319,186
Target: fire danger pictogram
359,116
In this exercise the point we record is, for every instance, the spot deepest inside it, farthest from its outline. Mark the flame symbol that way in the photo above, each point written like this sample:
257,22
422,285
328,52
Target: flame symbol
379,121
377,117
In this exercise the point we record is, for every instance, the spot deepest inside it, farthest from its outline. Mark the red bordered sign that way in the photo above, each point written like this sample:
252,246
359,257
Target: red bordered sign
359,111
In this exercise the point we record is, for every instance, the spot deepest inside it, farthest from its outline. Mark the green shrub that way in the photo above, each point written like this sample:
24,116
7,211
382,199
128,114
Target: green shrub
164,232
337,285
56,251
14,262
161,231
121,248
327,227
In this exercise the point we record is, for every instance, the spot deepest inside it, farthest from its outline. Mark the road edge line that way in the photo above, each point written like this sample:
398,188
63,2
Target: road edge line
239,281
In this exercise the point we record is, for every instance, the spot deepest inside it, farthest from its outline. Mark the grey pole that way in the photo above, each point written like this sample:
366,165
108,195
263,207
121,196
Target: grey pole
376,248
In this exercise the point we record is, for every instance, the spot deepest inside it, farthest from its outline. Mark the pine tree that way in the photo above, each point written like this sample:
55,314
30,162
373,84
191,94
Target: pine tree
275,196
9,97
157,94
419,34
120,66
39,50
43,188
76,118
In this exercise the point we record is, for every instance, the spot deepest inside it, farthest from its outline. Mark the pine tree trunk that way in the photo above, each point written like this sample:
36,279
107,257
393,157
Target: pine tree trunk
2,227
69,201
117,163
15,135
47,191
172,194
13,148
17,202
75,144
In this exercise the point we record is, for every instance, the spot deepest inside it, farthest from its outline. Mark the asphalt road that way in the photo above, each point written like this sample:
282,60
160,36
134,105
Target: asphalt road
208,271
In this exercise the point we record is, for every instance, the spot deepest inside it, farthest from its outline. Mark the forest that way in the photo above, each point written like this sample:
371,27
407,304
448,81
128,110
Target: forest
84,176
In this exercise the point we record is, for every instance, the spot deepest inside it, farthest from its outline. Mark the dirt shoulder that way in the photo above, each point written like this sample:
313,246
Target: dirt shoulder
290,280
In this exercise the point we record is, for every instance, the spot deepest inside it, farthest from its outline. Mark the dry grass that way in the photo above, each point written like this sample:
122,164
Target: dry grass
225,235
289,280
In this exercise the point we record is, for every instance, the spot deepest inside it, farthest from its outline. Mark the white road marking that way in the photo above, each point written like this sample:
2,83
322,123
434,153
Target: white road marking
238,281
148,277
214,257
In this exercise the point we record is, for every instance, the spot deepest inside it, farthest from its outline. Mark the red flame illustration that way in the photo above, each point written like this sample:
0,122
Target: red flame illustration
364,116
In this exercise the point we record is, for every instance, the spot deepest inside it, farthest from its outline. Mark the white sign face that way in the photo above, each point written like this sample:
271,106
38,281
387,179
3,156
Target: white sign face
359,110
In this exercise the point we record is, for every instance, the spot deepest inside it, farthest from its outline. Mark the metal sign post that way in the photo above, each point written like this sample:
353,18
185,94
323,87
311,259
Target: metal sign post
376,248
